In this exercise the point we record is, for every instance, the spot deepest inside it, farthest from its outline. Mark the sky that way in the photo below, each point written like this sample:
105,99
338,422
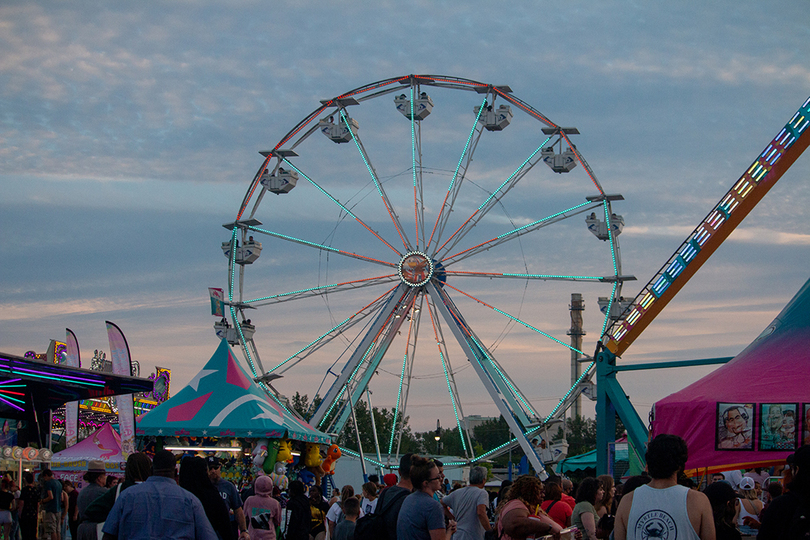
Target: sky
129,133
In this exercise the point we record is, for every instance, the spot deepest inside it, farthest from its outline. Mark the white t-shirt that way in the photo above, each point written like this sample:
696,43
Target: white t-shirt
367,506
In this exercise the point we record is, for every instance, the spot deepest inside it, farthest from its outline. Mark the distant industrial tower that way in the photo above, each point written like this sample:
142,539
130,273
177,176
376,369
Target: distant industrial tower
576,332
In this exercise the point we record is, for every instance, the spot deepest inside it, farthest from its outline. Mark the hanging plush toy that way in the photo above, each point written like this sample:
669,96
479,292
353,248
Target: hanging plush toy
284,451
259,452
306,477
332,455
272,457
312,455
279,477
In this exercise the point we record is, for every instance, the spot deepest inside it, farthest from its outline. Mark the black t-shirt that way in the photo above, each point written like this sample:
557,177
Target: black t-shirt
6,500
30,497
391,514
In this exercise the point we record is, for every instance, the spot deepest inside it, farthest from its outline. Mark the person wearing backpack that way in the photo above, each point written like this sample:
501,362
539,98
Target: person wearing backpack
788,516
382,524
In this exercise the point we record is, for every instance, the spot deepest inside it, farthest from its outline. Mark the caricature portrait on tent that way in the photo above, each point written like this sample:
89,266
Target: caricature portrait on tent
779,425
735,426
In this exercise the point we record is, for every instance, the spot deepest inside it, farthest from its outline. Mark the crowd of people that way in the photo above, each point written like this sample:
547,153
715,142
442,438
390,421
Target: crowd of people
159,498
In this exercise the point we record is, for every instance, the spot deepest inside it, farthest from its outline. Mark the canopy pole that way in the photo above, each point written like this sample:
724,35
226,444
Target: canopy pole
357,432
373,425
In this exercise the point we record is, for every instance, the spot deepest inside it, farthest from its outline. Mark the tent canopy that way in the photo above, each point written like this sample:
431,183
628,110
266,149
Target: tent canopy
104,444
223,401
773,369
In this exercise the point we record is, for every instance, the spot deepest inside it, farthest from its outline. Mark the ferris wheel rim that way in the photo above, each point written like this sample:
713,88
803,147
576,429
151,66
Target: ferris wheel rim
428,80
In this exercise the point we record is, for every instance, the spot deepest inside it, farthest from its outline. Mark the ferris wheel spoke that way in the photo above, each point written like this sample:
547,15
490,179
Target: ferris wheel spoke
517,320
458,177
416,168
444,356
517,401
407,367
335,331
321,290
365,355
342,207
543,277
493,199
374,178
320,246
520,231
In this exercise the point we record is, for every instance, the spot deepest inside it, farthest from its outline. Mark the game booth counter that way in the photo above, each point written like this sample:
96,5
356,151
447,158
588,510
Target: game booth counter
223,412
104,444
753,411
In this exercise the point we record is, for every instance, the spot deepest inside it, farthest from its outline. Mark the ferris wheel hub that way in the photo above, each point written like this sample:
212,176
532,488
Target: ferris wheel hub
415,269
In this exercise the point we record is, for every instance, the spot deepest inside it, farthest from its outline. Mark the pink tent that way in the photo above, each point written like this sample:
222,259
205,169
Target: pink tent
749,412
103,444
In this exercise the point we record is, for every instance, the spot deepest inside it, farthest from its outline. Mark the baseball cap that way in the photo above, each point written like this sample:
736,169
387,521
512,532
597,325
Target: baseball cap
390,479
213,462
747,483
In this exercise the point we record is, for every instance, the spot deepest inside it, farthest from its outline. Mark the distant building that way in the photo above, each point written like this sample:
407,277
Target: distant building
471,421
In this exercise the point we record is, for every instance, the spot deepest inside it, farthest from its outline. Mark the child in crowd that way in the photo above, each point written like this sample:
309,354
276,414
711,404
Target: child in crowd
351,511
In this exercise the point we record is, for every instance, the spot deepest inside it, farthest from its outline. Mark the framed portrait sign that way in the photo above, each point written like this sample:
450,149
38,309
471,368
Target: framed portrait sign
806,423
779,427
734,426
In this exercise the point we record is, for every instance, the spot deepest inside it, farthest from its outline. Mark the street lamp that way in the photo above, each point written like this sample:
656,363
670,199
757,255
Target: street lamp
438,437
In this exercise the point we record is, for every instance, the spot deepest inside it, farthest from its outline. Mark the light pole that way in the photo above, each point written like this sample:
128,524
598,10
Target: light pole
438,437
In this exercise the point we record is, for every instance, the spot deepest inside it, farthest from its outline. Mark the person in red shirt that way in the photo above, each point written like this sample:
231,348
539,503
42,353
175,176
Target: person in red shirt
555,507
566,487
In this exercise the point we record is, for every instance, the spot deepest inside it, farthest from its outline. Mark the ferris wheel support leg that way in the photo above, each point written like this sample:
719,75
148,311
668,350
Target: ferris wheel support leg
611,400
335,391
497,397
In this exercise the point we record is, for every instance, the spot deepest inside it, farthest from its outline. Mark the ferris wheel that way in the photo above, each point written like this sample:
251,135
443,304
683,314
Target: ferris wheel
418,235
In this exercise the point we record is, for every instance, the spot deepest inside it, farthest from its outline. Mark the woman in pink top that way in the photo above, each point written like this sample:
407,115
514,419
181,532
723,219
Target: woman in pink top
262,512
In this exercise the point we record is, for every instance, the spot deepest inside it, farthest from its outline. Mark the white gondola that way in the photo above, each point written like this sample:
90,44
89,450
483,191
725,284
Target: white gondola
339,132
494,119
246,253
422,106
559,163
281,182
599,227
620,304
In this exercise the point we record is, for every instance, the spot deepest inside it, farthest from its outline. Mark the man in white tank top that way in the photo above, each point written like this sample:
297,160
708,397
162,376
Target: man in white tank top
663,509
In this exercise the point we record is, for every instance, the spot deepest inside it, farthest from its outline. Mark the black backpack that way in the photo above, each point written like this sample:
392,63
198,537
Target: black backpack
372,526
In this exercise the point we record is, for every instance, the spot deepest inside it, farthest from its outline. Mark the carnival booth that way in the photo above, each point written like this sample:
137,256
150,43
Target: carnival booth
104,444
222,410
753,411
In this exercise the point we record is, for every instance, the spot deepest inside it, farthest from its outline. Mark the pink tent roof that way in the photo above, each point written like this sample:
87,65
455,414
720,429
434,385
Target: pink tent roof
103,444
773,369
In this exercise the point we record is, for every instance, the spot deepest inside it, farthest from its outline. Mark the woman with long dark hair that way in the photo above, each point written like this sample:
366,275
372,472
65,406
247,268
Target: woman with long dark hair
194,478
584,516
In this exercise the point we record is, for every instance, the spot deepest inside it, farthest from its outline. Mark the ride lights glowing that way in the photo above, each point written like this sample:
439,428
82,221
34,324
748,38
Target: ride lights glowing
415,269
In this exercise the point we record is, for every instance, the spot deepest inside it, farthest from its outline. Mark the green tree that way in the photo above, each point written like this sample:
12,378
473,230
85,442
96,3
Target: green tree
580,432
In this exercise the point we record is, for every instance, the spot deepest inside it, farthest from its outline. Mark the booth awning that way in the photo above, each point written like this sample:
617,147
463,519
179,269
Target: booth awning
223,401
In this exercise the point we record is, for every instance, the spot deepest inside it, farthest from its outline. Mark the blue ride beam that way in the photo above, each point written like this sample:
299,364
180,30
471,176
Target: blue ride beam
611,400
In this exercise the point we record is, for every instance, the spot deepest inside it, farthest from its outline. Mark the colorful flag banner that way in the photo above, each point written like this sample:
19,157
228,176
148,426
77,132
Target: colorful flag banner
72,359
119,351
217,301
